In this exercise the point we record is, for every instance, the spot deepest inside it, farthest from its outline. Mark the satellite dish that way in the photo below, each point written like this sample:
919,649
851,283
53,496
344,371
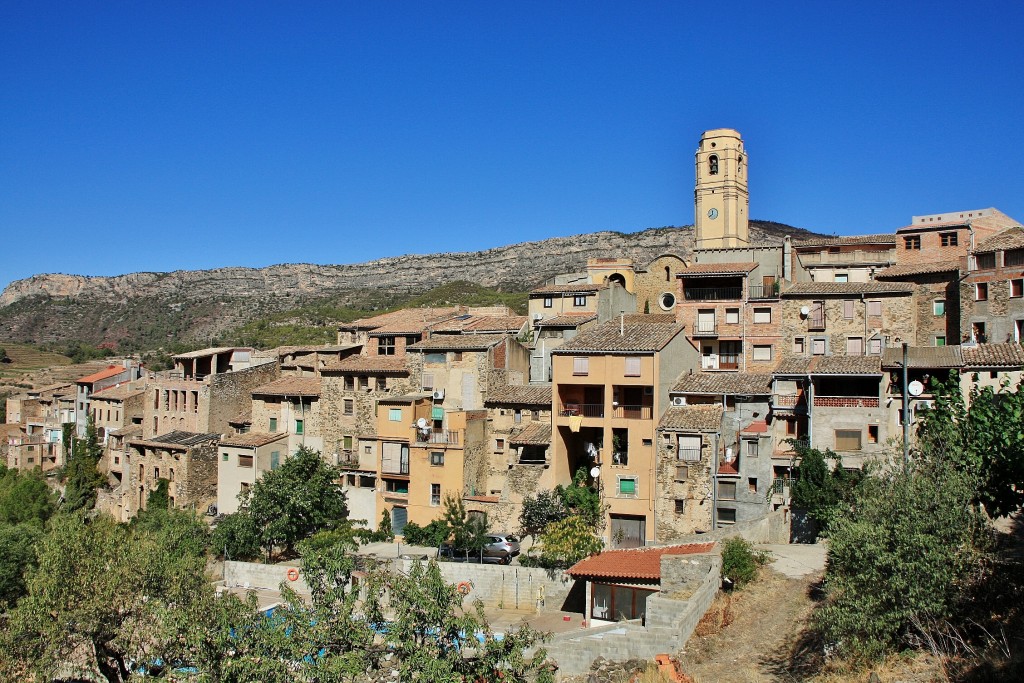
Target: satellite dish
915,388
595,472
805,311
421,423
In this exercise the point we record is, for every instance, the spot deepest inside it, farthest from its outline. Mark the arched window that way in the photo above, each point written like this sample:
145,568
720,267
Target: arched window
713,164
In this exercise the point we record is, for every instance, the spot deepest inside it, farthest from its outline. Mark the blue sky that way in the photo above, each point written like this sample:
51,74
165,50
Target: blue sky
184,135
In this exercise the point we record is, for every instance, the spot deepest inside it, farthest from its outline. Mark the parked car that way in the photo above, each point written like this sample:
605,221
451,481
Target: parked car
500,549
502,543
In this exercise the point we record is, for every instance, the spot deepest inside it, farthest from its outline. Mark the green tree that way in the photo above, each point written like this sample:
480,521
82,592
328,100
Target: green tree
467,533
910,550
579,499
236,538
159,498
822,493
564,543
24,497
295,501
82,477
17,559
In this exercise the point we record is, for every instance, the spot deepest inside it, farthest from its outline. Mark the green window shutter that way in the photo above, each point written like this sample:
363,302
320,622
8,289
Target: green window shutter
275,459
437,413
298,426
273,425
627,486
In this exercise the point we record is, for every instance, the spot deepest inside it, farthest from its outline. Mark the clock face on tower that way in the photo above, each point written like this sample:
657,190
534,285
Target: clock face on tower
712,214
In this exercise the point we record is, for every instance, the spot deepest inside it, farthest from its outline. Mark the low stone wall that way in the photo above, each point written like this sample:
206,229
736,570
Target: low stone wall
772,528
266,576
507,587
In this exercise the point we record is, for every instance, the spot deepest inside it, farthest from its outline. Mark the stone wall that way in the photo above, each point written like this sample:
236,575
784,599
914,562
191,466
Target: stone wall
694,492
231,394
256,575
894,321
511,587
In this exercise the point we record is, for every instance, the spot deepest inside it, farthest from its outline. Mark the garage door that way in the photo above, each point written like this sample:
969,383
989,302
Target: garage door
399,516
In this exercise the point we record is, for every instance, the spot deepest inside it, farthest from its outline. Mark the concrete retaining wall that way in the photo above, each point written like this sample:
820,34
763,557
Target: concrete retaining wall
267,576
772,528
507,587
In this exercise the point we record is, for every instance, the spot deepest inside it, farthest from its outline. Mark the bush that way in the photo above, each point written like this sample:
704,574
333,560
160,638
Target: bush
236,538
433,534
740,561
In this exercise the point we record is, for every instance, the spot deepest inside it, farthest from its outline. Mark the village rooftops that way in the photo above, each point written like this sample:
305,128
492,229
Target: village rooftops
119,392
695,418
180,440
805,289
845,240
243,418
252,439
573,288
369,365
290,386
1011,238
534,434
830,365
565,320
525,395
923,357
624,338
415,319
979,356
722,383
105,373
131,431
481,324
717,269
989,219
458,342
924,268
632,563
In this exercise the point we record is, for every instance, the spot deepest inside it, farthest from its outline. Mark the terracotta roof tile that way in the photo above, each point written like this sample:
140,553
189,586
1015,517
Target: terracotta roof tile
895,272
528,395
464,342
370,365
180,439
993,355
483,323
633,563
700,418
105,373
804,289
129,431
402,318
635,338
716,269
923,357
724,383
534,434
843,240
578,287
755,427
119,392
252,439
830,365
290,386
792,366
243,418
1011,238
566,320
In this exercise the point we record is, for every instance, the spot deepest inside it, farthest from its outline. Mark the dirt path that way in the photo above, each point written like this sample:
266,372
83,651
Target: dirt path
766,617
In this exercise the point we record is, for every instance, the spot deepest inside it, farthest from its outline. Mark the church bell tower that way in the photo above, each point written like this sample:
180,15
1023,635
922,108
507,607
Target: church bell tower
721,202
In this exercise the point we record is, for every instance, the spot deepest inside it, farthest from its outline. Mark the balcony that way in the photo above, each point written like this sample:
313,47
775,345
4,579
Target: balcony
713,294
845,401
788,402
705,328
633,412
816,321
763,292
438,436
582,410
722,361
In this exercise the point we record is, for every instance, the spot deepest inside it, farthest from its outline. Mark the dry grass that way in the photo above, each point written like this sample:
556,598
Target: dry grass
718,616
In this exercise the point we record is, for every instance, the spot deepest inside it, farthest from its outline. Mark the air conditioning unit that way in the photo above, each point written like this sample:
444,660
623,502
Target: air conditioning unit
438,394
679,400
924,405
538,316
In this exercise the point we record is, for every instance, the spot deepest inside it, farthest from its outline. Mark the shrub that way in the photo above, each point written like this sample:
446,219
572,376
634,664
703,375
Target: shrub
433,534
740,561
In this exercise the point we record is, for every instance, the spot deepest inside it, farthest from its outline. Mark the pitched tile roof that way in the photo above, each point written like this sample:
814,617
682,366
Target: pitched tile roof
1008,354
252,439
370,365
129,431
635,338
529,394
464,342
803,289
290,386
119,392
243,418
105,373
633,563
176,438
202,353
755,427
497,323
402,317
700,418
578,287
534,434
664,318
1011,238
923,357
844,240
566,320
716,269
724,383
918,269
830,365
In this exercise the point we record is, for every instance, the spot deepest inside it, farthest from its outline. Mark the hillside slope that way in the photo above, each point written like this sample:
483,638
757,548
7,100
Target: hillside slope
144,310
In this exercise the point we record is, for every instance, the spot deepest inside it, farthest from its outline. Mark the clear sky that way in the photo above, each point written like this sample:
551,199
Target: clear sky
186,135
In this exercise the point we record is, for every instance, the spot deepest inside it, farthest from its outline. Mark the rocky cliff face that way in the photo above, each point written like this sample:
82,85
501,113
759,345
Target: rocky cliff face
199,304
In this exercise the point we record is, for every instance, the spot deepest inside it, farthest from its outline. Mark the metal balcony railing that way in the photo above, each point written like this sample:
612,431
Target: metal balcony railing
763,292
816,322
633,412
705,328
713,294
582,410
438,436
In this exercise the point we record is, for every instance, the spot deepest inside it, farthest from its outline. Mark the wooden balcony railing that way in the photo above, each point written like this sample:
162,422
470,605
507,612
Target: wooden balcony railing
633,412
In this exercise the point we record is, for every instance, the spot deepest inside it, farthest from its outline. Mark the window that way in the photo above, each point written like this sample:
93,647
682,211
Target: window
245,461
299,425
732,316
848,309
798,345
438,357
224,457
752,448
548,302
456,356
1016,288
437,458
632,366
762,352
790,427
348,407
680,506
580,366
818,346
627,486
940,340
368,449
275,459
579,300
762,315
912,242
689,448
727,490
273,425
726,516
875,308
988,261
428,381
1018,330
875,346
435,495
752,484
872,433
667,301
499,445
682,472
517,417
841,277
713,164
981,291
346,442
855,346
349,383
948,239
386,346
394,414
939,307
848,439
978,332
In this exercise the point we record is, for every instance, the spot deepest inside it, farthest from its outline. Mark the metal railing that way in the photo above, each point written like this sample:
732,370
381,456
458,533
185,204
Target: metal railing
582,410
633,412
763,292
705,328
780,486
713,293
439,436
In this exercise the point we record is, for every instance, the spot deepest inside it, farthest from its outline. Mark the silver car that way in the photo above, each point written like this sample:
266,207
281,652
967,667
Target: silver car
505,546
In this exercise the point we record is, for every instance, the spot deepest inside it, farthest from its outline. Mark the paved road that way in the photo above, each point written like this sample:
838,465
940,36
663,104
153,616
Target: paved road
797,560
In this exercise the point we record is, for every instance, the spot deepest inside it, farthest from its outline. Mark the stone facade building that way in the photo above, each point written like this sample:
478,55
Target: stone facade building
290,406
187,460
991,296
688,457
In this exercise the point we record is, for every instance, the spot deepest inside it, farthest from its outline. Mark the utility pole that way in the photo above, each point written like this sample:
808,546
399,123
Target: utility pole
906,408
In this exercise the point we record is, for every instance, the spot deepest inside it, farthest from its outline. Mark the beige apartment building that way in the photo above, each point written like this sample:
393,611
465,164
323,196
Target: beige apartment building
244,458
290,406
